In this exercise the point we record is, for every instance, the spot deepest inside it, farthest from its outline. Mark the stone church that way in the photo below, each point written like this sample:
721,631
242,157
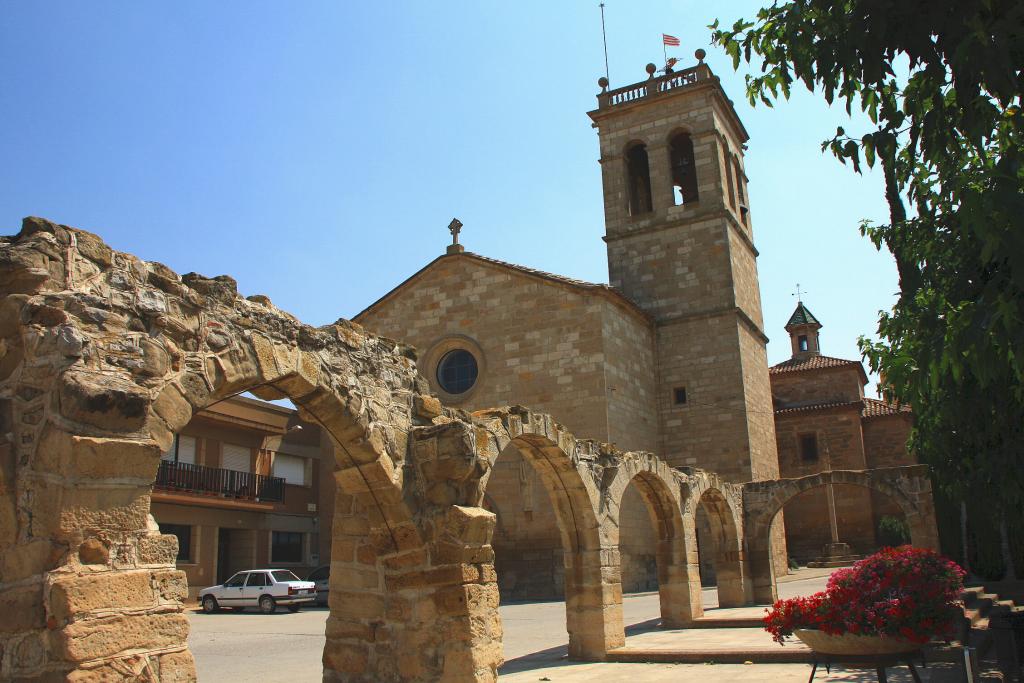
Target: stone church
669,357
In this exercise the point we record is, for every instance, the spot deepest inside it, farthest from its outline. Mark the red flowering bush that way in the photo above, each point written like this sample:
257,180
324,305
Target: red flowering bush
905,592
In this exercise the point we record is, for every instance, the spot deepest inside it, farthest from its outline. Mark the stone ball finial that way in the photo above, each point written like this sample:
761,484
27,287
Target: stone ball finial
700,55
603,82
651,69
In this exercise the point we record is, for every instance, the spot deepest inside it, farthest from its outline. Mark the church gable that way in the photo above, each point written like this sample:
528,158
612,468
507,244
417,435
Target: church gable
505,335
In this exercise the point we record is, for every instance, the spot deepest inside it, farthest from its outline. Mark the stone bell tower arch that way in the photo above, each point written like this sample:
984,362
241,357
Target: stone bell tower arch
680,244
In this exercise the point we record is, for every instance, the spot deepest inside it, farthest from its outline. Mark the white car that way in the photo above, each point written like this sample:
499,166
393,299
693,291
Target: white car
263,588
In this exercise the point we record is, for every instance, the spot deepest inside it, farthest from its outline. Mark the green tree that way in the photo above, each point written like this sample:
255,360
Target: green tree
941,83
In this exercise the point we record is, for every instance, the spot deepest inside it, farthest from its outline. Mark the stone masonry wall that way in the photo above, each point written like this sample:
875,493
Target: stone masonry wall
538,343
630,369
842,384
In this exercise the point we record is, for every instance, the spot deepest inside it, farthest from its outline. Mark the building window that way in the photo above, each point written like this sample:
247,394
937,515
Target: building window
684,172
184,534
638,173
237,458
183,449
290,468
679,395
729,181
801,342
808,447
739,189
457,371
285,546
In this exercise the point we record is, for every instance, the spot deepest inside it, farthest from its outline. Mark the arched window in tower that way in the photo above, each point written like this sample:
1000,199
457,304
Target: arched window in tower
684,170
729,180
739,189
638,174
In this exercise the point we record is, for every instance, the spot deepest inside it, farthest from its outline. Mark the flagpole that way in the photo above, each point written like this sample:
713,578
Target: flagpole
664,52
604,37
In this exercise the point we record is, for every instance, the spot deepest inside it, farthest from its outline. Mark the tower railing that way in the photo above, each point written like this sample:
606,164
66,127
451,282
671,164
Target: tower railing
654,86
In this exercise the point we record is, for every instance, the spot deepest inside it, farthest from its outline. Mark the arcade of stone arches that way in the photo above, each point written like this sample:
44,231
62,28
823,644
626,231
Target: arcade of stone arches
106,357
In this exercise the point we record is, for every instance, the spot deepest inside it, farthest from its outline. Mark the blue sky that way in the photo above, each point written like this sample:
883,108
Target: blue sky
316,151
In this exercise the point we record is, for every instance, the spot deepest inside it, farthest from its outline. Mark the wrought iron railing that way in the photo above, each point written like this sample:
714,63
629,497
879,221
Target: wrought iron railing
214,481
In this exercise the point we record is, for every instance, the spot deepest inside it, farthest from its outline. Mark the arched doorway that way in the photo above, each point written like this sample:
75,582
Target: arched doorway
719,548
906,489
555,490
646,495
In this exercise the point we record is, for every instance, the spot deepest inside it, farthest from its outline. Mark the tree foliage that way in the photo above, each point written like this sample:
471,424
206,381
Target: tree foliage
941,83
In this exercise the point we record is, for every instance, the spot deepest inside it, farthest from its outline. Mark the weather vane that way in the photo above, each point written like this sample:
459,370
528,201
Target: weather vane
798,294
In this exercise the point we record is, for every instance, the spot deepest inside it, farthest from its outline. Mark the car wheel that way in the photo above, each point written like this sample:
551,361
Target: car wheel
267,605
293,608
210,604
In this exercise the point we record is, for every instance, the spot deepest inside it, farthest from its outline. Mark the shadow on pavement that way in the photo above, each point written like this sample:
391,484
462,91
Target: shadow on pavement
552,657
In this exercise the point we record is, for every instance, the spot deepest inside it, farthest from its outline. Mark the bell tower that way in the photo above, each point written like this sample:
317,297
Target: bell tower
680,244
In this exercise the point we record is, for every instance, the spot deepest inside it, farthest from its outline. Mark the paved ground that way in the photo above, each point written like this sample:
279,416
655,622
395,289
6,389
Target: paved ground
286,648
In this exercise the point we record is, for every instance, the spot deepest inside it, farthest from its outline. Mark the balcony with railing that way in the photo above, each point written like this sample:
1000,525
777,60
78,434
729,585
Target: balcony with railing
655,85
214,482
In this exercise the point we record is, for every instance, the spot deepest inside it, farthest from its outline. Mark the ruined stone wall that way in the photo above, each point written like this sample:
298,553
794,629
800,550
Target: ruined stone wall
106,357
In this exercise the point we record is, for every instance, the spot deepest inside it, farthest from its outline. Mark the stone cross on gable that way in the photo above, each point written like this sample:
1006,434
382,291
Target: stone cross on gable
455,227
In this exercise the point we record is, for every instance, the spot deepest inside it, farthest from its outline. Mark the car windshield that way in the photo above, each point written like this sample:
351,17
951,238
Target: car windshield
282,575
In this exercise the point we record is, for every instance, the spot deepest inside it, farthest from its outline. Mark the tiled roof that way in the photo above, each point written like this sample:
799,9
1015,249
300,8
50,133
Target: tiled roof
810,363
817,406
869,407
597,288
802,316
875,408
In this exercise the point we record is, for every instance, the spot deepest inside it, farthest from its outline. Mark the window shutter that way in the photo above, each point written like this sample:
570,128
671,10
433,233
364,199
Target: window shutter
290,468
235,458
186,446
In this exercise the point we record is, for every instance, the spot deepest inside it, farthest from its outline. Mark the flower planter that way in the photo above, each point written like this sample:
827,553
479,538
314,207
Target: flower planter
854,644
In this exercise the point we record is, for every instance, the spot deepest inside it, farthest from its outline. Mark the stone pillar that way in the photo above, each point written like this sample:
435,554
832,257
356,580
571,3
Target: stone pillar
729,575
679,578
410,600
593,603
762,573
89,588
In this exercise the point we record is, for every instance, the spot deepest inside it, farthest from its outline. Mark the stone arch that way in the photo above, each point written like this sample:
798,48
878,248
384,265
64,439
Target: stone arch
593,597
726,527
909,487
660,488
106,357
682,166
637,168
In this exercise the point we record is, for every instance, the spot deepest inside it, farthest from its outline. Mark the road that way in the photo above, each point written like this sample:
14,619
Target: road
286,647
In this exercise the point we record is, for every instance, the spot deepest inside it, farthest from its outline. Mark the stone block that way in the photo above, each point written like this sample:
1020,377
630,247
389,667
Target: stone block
105,401
71,596
105,637
95,457
345,657
158,549
177,667
22,609
172,406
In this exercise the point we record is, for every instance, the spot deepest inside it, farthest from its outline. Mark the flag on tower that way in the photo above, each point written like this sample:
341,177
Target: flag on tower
669,40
